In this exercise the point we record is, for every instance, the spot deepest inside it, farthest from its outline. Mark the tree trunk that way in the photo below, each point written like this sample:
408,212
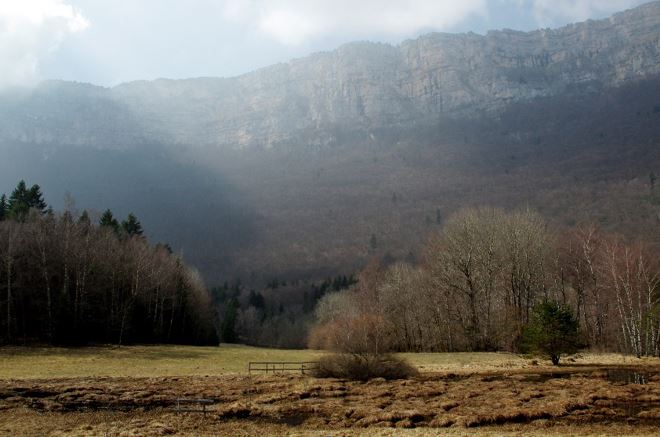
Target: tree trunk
8,266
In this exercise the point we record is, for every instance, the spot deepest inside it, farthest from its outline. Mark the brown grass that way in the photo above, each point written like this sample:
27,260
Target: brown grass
511,396
522,400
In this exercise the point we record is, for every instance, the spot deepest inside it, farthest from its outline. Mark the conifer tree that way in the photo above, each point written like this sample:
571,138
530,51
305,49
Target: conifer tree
256,300
22,199
36,199
228,325
553,331
109,221
84,219
18,199
308,302
132,226
3,207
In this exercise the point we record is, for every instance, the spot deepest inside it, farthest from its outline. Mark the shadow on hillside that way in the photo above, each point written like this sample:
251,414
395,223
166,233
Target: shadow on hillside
197,211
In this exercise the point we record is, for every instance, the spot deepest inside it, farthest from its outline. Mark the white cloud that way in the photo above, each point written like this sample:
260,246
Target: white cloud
292,22
549,12
31,30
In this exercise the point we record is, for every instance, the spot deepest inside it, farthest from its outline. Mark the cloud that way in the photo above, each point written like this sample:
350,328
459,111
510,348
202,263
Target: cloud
549,12
31,30
293,22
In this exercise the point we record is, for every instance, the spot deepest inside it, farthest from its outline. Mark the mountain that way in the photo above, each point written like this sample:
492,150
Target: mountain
310,167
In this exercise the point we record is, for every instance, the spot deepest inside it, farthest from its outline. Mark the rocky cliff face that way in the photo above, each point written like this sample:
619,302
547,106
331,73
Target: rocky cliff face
360,86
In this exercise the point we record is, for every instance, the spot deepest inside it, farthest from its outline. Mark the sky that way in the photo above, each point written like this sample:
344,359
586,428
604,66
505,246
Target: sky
107,42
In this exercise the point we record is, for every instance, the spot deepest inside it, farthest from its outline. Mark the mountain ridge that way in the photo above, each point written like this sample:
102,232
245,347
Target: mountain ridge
367,85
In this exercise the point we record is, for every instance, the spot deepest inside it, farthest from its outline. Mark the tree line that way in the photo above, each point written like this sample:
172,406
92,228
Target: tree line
67,280
480,279
280,315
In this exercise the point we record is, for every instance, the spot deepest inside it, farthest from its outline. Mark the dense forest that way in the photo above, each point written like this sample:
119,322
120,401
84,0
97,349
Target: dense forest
67,280
280,315
481,277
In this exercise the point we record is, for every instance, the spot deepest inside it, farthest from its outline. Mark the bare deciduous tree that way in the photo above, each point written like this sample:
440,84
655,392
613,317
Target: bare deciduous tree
634,279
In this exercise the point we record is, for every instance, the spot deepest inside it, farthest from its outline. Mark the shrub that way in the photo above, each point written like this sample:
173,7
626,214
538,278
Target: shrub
361,367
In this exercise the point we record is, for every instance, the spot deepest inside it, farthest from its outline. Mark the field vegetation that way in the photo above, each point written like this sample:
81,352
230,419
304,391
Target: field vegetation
131,390
138,361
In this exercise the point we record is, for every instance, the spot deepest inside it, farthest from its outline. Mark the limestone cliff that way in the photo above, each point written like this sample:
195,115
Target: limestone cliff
360,86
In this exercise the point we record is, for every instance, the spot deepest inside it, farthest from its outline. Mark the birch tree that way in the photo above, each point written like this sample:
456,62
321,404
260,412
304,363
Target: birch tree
634,278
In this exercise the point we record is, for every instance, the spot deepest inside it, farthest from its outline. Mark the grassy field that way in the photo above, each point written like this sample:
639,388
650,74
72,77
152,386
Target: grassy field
108,391
138,361
165,360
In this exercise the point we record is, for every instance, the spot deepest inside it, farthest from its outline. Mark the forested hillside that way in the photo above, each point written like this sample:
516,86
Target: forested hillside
307,169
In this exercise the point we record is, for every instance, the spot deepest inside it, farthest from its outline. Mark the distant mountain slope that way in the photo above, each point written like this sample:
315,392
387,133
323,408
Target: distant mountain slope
312,166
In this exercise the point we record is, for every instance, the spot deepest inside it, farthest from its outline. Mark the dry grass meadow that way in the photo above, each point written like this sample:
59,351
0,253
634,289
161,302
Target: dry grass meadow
130,391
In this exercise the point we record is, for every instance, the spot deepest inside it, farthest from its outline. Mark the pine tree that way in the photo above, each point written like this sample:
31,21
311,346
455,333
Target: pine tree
109,221
552,331
36,199
22,199
308,302
228,325
84,219
3,207
18,201
373,242
132,226
256,300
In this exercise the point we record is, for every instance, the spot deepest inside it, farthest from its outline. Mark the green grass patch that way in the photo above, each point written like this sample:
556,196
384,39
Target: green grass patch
162,360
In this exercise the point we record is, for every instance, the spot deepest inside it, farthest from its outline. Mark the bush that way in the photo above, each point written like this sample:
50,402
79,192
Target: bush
361,367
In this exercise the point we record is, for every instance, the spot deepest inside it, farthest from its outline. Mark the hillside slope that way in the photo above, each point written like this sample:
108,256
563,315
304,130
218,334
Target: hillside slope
311,167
